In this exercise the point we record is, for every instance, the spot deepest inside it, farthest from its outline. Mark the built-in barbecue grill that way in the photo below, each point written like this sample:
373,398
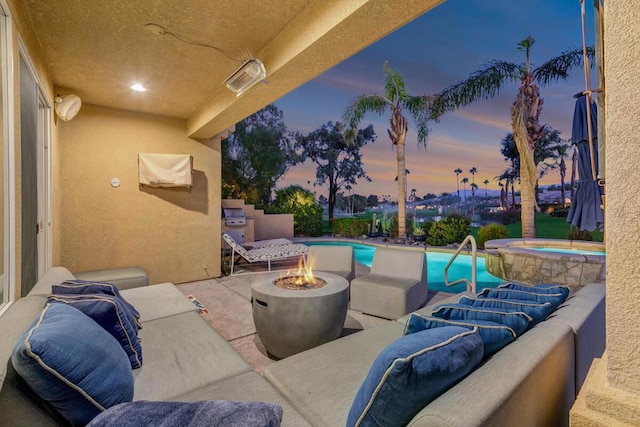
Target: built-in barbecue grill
234,217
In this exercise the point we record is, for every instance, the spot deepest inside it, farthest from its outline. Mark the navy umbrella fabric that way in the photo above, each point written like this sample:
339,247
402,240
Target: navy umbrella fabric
585,211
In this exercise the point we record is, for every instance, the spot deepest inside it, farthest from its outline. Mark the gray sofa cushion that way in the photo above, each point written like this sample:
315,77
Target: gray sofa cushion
182,353
53,276
322,382
123,278
158,301
249,386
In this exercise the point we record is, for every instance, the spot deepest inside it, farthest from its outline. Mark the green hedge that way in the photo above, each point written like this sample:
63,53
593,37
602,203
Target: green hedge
351,227
452,229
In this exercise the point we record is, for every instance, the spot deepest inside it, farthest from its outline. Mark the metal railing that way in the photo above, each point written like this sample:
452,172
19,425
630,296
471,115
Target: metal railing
471,285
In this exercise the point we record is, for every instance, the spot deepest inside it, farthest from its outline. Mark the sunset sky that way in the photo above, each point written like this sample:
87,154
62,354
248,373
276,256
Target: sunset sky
433,52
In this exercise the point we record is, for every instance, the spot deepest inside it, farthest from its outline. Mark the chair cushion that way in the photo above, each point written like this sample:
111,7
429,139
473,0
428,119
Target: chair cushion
494,335
109,312
411,372
222,413
537,311
72,363
516,320
82,287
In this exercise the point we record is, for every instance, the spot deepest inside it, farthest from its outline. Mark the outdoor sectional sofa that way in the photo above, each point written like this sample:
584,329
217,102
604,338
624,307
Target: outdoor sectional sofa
532,381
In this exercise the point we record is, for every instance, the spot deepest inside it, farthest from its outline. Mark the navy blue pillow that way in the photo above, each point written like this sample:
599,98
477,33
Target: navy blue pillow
541,289
73,364
537,311
494,335
190,414
108,312
83,287
411,372
513,294
516,320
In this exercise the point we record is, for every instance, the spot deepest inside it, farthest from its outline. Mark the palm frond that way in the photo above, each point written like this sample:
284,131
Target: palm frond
558,68
355,112
482,84
394,85
420,109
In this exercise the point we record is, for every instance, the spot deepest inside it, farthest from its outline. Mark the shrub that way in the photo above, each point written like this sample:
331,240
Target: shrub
491,232
577,234
351,227
452,229
307,214
510,216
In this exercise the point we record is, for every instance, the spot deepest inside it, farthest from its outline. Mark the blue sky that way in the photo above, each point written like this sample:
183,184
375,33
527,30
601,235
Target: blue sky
433,52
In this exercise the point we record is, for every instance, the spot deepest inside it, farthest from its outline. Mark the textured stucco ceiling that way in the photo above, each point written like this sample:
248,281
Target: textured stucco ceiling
97,49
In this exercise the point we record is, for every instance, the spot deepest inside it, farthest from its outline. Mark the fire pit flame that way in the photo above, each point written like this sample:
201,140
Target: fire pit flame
302,278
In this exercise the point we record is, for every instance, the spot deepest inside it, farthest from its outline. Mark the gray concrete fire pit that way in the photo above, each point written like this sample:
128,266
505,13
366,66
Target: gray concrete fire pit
289,321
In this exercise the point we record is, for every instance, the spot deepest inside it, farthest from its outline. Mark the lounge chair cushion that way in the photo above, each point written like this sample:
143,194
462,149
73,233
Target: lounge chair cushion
494,335
266,243
516,320
72,363
108,312
411,372
185,414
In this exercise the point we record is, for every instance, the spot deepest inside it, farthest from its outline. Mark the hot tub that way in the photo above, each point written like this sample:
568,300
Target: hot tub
568,262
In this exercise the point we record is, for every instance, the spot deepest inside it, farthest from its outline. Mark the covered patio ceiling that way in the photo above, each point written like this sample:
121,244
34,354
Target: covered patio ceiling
99,49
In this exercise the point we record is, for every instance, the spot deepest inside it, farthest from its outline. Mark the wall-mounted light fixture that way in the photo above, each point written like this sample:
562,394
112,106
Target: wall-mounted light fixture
67,106
245,77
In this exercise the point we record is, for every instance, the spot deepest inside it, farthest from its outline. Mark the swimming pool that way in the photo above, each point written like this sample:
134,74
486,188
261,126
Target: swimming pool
436,262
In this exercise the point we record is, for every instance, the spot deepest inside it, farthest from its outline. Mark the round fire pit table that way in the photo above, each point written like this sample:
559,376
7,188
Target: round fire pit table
289,321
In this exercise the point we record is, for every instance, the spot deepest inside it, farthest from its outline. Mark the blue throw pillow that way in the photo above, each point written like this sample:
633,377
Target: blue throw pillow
76,287
541,289
217,413
537,311
516,320
512,294
73,364
411,372
108,312
494,335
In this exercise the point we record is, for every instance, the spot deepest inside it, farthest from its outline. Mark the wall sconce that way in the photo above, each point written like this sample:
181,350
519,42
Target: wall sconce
245,77
67,106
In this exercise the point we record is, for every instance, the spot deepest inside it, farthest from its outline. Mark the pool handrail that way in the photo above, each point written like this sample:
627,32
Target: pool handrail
471,285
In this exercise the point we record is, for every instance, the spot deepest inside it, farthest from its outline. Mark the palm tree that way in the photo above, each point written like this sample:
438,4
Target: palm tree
486,83
474,187
348,188
395,99
458,171
464,182
486,187
502,196
473,171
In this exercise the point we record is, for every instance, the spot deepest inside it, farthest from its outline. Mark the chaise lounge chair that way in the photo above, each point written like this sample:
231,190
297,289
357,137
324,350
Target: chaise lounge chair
267,254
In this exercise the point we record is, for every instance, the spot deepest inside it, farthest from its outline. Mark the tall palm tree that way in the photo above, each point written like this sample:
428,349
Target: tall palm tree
486,83
458,171
502,196
395,99
486,187
464,182
474,187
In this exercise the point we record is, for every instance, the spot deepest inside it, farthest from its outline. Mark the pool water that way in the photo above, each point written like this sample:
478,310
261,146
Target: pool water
436,262
569,251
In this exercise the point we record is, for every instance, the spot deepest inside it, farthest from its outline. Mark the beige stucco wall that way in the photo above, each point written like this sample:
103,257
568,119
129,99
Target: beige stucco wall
171,233
622,76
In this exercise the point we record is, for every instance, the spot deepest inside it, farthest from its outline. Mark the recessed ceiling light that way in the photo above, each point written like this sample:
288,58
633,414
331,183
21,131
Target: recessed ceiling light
138,88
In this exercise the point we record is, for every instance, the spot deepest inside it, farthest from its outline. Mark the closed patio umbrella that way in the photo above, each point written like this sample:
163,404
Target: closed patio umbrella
586,211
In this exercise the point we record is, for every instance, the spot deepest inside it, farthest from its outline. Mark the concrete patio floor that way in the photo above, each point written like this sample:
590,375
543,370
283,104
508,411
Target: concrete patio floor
228,300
